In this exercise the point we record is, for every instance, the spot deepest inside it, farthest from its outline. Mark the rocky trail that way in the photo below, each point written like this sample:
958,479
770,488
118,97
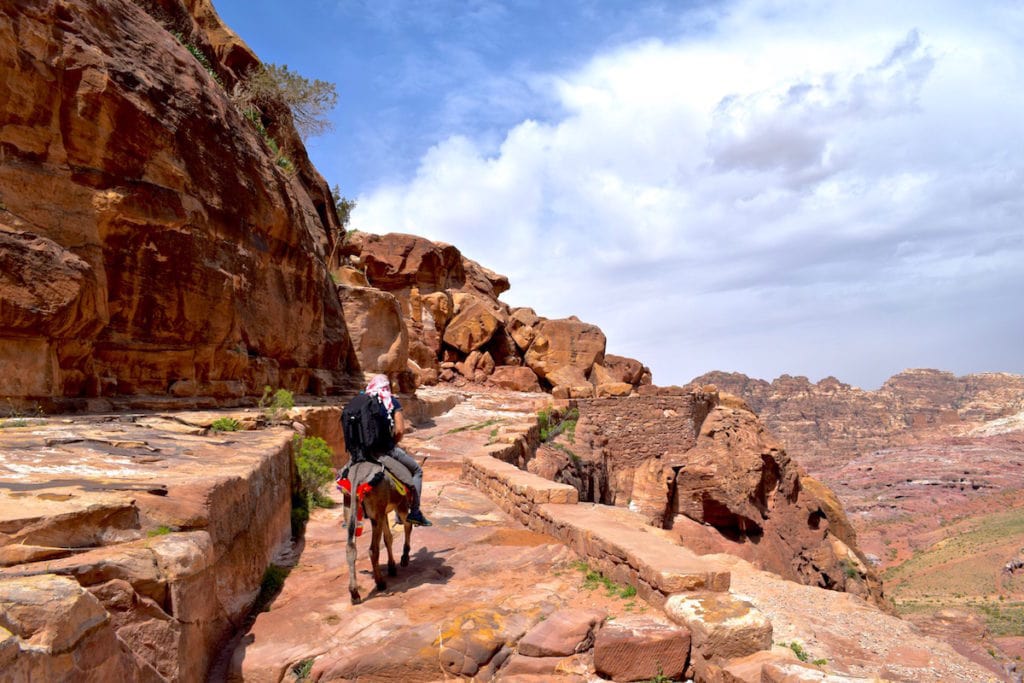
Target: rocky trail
482,589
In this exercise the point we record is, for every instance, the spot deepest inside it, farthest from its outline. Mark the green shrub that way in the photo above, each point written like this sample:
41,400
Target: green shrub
593,579
849,569
225,424
276,404
159,531
313,460
201,57
552,424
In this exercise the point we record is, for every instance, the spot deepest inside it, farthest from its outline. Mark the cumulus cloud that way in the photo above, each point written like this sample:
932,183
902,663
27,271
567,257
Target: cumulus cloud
805,189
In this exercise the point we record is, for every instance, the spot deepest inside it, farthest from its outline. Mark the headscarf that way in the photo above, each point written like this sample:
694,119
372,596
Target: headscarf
380,387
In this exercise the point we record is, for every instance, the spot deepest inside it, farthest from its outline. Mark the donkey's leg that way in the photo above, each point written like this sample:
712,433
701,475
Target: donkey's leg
388,539
378,529
350,552
405,547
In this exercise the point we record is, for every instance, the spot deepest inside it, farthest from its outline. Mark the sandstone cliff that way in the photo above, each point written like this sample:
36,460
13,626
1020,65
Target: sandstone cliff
149,242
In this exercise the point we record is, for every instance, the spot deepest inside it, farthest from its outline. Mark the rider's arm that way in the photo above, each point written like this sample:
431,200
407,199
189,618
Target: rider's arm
399,426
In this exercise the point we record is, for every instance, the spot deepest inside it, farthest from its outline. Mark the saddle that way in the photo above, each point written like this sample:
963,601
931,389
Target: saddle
371,472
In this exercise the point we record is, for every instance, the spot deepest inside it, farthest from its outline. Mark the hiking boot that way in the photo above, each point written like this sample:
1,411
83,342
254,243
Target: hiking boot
416,517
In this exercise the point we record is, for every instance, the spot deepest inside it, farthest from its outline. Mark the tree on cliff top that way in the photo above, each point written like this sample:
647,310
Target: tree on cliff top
273,85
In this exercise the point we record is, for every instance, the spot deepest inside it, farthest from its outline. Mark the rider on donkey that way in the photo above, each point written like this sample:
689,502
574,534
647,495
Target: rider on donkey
380,388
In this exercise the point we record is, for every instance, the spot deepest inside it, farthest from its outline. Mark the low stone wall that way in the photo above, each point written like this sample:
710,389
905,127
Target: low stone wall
611,539
516,492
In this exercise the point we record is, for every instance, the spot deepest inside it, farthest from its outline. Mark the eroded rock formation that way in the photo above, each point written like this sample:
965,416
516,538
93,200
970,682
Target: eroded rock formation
706,467
459,331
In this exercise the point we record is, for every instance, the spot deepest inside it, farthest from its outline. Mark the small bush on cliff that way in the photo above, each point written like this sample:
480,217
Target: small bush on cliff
276,404
313,460
273,86
200,56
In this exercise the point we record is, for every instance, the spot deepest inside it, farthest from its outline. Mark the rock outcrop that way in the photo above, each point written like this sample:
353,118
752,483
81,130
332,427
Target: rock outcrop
459,331
137,546
707,469
149,239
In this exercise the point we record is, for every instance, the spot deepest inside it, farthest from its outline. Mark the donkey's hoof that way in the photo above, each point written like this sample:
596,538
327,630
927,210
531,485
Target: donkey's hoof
382,585
392,569
355,597
405,560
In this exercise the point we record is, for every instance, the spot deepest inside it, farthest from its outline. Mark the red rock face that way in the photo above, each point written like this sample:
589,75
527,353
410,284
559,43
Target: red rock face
149,238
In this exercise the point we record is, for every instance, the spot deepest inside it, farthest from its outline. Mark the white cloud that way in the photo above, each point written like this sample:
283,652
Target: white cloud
775,196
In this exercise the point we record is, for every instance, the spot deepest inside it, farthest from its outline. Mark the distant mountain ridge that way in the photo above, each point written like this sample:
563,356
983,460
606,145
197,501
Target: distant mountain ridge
825,424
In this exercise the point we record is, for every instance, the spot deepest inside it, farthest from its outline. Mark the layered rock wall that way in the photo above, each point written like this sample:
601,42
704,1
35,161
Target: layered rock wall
150,242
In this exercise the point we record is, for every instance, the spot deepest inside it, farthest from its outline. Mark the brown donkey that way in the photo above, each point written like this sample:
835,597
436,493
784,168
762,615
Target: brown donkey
382,497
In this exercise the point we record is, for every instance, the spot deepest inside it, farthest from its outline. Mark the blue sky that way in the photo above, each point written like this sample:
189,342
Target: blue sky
814,188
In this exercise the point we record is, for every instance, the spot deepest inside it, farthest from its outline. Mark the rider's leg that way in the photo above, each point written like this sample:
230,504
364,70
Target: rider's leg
415,515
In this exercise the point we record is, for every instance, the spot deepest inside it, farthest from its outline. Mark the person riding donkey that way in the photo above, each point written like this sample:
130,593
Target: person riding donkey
380,388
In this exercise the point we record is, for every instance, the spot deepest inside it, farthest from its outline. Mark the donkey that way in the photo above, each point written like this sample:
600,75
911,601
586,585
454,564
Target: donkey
382,497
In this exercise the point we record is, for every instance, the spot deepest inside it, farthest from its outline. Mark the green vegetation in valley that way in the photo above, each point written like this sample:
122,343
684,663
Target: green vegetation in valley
159,531
966,563
1006,619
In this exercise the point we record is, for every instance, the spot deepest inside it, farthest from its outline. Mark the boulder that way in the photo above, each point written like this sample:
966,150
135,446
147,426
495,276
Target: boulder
567,345
628,370
398,261
473,325
521,324
722,627
636,648
613,389
515,378
379,336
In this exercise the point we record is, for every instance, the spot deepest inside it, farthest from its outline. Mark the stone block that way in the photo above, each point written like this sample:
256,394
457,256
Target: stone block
564,633
722,625
639,649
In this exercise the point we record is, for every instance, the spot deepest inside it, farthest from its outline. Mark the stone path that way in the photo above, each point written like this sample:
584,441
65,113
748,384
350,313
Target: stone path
477,581
481,578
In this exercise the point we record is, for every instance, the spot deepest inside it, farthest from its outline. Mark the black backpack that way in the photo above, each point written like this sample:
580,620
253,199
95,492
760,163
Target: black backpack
366,427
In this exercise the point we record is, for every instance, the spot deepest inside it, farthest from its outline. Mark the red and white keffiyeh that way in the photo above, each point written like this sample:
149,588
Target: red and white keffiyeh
380,387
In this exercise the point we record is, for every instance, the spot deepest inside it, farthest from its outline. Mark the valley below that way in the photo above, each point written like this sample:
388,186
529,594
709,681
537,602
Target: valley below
931,474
